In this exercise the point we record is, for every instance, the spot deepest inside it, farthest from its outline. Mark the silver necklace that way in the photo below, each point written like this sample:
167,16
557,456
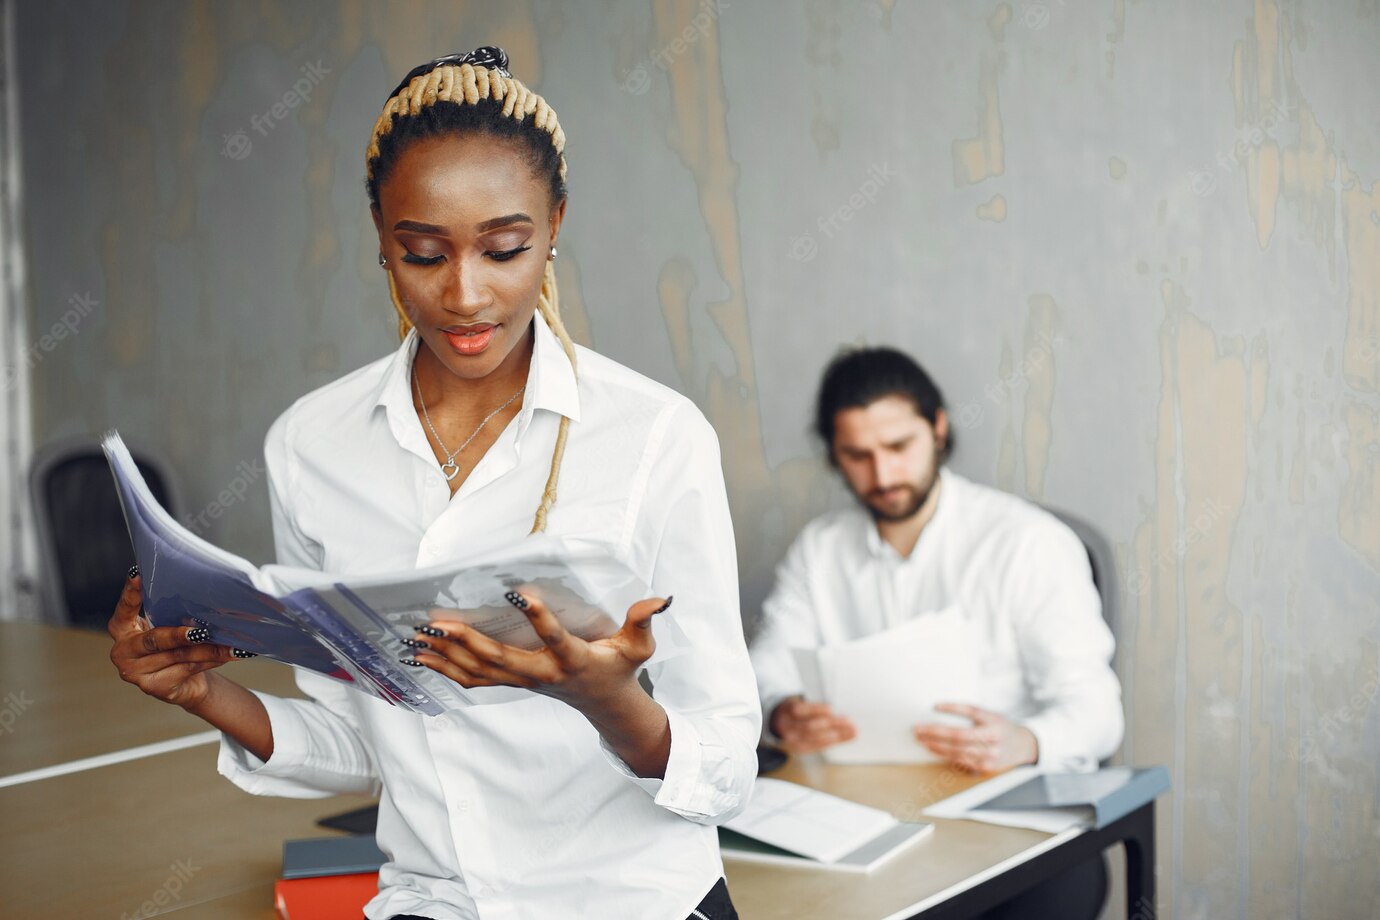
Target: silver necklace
450,467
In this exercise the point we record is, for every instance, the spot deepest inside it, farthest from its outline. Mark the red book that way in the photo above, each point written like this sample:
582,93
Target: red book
326,897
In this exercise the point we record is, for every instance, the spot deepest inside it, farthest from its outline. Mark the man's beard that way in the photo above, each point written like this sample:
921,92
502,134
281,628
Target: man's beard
919,494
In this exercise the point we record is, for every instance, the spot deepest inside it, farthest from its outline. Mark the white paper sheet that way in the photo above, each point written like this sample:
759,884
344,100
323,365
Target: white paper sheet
807,821
1049,820
889,682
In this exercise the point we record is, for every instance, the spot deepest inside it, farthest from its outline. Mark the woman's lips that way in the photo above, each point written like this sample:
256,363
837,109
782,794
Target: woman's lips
469,340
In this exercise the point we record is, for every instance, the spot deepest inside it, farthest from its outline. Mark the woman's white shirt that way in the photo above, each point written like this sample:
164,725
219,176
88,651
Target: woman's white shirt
519,809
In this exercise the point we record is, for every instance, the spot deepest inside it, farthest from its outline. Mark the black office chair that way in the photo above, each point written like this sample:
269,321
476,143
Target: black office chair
83,542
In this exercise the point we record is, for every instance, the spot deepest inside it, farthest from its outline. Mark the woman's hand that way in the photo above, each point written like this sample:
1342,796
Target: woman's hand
585,675
598,678
166,662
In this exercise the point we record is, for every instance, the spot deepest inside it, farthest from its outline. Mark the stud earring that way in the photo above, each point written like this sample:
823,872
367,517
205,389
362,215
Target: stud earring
382,260
553,253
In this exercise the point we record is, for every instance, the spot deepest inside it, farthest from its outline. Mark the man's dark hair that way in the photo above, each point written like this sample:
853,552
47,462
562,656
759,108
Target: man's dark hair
858,377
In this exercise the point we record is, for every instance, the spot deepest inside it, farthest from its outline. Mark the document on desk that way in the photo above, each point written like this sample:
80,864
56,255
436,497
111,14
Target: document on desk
968,805
889,682
347,628
1055,801
803,826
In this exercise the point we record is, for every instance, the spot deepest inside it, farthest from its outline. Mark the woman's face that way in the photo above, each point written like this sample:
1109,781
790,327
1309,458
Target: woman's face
467,229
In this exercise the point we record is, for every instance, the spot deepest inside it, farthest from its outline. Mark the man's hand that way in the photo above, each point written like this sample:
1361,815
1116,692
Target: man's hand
807,727
990,744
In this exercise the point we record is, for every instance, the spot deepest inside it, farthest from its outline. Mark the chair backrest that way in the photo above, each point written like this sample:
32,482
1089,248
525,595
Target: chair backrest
1103,561
83,542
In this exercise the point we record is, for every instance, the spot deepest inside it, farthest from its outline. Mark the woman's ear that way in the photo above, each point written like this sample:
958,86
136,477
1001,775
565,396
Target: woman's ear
557,215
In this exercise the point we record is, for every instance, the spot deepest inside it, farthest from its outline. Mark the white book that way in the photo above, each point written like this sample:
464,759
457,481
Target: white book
789,824
348,628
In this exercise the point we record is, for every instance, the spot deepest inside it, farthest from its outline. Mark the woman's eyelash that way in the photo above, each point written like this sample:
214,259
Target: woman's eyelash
506,254
497,256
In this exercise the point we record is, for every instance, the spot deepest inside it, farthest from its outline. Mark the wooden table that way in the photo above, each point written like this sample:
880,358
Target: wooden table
165,829
963,868
66,702
168,831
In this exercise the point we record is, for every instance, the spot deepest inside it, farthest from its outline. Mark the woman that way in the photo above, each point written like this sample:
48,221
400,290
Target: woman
586,797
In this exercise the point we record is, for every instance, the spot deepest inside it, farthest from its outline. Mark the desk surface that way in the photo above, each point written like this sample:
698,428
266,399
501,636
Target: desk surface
956,851
68,703
102,842
105,841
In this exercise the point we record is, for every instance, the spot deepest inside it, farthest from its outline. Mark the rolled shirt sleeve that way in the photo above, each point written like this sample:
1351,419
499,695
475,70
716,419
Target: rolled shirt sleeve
317,747
705,684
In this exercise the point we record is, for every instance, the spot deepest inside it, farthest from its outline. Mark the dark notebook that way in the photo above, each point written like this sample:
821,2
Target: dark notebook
331,856
1106,794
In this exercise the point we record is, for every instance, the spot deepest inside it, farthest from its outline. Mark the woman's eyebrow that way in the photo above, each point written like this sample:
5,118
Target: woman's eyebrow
491,224
495,223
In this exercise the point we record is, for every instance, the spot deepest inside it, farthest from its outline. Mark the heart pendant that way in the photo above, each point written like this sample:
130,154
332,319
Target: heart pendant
451,469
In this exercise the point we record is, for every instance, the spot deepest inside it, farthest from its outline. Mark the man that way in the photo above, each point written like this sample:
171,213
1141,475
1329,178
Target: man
925,540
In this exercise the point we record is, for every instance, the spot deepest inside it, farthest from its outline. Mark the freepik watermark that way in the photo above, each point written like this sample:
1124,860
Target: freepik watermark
638,78
804,248
971,413
237,146
1203,182
14,706
1145,910
247,473
1370,351
1138,582
168,894
1340,720
80,306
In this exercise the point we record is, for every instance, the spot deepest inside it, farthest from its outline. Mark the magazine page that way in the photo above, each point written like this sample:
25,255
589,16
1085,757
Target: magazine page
349,628
185,585
581,585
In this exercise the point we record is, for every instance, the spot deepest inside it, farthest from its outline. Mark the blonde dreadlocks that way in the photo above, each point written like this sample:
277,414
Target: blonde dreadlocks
475,92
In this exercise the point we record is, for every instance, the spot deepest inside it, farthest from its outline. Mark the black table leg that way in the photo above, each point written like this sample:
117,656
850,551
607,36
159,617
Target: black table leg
1140,865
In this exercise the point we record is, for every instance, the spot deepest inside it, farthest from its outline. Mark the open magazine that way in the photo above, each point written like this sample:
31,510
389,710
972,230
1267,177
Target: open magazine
348,628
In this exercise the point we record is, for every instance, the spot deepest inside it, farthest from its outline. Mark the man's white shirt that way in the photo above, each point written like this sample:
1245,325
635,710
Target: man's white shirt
1018,575
519,809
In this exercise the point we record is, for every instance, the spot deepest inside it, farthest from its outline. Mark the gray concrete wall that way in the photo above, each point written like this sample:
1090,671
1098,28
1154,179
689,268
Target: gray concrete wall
1138,244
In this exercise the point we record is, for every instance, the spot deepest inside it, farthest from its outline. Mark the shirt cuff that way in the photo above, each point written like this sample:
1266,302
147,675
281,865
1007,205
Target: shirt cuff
1052,750
684,790
280,774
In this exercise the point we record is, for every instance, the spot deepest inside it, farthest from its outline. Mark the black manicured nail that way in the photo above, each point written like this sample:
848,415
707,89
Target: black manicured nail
199,634
662,608
414,643
241,653
134,570
517,600
431,631
412,662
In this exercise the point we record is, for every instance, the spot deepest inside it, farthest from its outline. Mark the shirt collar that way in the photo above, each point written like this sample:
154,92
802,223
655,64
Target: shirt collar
551,382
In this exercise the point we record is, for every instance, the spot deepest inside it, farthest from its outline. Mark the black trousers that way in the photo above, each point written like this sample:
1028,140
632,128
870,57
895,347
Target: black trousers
715,906
1076,894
